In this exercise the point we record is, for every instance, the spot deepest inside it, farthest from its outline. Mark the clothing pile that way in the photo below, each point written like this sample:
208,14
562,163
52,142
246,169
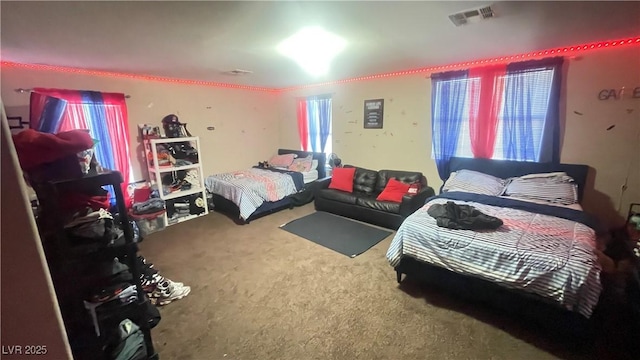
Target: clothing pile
185,206
113,288
161,291
128,342
462,217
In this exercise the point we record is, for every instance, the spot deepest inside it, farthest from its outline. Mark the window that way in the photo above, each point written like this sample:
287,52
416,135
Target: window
500,112
537,103
314,124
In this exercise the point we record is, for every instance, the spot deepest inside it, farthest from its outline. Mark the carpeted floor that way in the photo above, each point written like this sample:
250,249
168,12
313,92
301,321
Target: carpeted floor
262,293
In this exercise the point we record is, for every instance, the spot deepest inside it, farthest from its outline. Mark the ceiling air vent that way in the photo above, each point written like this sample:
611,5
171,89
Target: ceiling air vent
238,72
472,15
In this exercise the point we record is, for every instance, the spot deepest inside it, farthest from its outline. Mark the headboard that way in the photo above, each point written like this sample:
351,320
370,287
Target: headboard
321,157
508,168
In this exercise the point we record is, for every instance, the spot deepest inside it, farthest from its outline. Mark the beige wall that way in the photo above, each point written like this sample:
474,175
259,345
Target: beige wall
614,154
30,314
405,140
246,125
250,125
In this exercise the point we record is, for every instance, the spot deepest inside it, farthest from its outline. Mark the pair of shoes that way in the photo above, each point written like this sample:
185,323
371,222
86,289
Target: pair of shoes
168,291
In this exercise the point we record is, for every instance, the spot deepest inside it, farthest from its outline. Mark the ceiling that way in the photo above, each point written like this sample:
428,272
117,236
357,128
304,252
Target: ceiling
204,40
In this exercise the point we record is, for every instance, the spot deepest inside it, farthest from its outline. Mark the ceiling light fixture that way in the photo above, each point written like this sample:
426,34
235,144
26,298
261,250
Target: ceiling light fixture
313,49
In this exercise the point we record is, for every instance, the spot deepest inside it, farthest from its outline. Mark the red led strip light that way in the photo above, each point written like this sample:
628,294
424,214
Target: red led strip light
564,51
134,76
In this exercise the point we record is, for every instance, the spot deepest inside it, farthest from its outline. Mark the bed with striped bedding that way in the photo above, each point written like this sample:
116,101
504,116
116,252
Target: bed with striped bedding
544,253
547,250
249,189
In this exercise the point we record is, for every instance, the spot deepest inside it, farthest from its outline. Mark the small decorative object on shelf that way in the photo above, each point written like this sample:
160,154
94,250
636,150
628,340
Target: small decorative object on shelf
176,176
173,128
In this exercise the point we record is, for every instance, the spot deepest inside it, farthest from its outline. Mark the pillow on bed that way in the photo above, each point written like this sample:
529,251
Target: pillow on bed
302,164
281,160
552,187
314,164
474,182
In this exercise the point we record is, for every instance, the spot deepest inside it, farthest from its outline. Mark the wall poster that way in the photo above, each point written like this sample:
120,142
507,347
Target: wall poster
373,111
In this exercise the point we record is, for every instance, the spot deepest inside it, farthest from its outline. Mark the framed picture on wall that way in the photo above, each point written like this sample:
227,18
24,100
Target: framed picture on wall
373,113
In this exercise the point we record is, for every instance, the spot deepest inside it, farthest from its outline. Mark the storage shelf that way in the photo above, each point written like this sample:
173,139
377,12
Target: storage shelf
164,169
156,173
172,140
185,218
181,193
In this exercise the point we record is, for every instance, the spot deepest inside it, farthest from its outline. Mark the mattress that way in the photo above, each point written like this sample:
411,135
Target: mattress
309,176
538,253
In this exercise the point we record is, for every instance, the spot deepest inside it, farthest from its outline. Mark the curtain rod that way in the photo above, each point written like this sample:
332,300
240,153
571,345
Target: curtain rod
22,91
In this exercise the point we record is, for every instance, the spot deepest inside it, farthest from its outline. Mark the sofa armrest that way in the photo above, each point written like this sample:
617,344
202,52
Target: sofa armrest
321,184
411,203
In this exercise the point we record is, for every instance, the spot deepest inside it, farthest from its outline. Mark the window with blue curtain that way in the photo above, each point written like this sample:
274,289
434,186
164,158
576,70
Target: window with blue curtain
318,119
528,117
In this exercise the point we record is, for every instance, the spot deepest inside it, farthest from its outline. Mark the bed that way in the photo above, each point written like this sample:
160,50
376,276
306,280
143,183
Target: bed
248,194
541,261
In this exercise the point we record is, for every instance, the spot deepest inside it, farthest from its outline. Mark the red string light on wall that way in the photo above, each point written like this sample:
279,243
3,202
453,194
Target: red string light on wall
133,76
564,51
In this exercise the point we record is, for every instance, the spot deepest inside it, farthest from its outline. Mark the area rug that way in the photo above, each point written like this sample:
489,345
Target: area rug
346,236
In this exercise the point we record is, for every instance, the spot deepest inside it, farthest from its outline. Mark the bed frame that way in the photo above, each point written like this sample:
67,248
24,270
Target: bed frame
532,307
221,204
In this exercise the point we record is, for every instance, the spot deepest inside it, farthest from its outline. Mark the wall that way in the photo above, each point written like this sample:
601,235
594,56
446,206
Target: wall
246,125
27,292
614,153
405,140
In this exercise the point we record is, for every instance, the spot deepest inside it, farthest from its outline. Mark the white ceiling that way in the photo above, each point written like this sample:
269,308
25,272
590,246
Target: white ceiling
202,40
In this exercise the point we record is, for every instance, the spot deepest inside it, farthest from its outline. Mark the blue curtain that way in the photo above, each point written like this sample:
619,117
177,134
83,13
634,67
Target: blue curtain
324,119
448,97
93,108
312,118
529,135
319,121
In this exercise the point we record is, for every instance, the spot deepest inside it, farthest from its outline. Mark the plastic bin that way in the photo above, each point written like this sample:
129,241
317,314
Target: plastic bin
149,223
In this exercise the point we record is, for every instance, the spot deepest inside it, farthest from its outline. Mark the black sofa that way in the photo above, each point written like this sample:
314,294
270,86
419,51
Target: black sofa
362,205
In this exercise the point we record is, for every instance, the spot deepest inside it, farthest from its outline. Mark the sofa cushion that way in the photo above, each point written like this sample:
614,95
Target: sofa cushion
364,180
394,191
342,179
369,201
404,176
337,195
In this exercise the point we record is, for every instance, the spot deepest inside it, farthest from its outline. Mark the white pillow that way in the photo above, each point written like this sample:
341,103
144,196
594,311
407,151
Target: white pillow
554,188
474,182
314,164
543,175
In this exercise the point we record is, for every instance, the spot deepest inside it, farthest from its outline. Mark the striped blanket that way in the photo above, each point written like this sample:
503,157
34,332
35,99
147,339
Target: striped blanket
540,253
249,189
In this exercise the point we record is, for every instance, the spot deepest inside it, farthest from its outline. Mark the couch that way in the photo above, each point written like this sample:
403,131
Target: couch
361,204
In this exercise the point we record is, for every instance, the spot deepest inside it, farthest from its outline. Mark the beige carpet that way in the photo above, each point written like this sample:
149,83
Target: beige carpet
259,292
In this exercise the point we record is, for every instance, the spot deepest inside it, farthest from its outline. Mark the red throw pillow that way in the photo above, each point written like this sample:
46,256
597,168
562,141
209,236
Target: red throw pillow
342,179
394,191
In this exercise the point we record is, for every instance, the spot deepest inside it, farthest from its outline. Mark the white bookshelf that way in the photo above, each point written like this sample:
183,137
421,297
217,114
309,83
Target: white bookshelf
156,172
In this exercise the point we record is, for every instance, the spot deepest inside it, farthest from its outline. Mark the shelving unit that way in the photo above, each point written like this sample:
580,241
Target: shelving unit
72,266
157,171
